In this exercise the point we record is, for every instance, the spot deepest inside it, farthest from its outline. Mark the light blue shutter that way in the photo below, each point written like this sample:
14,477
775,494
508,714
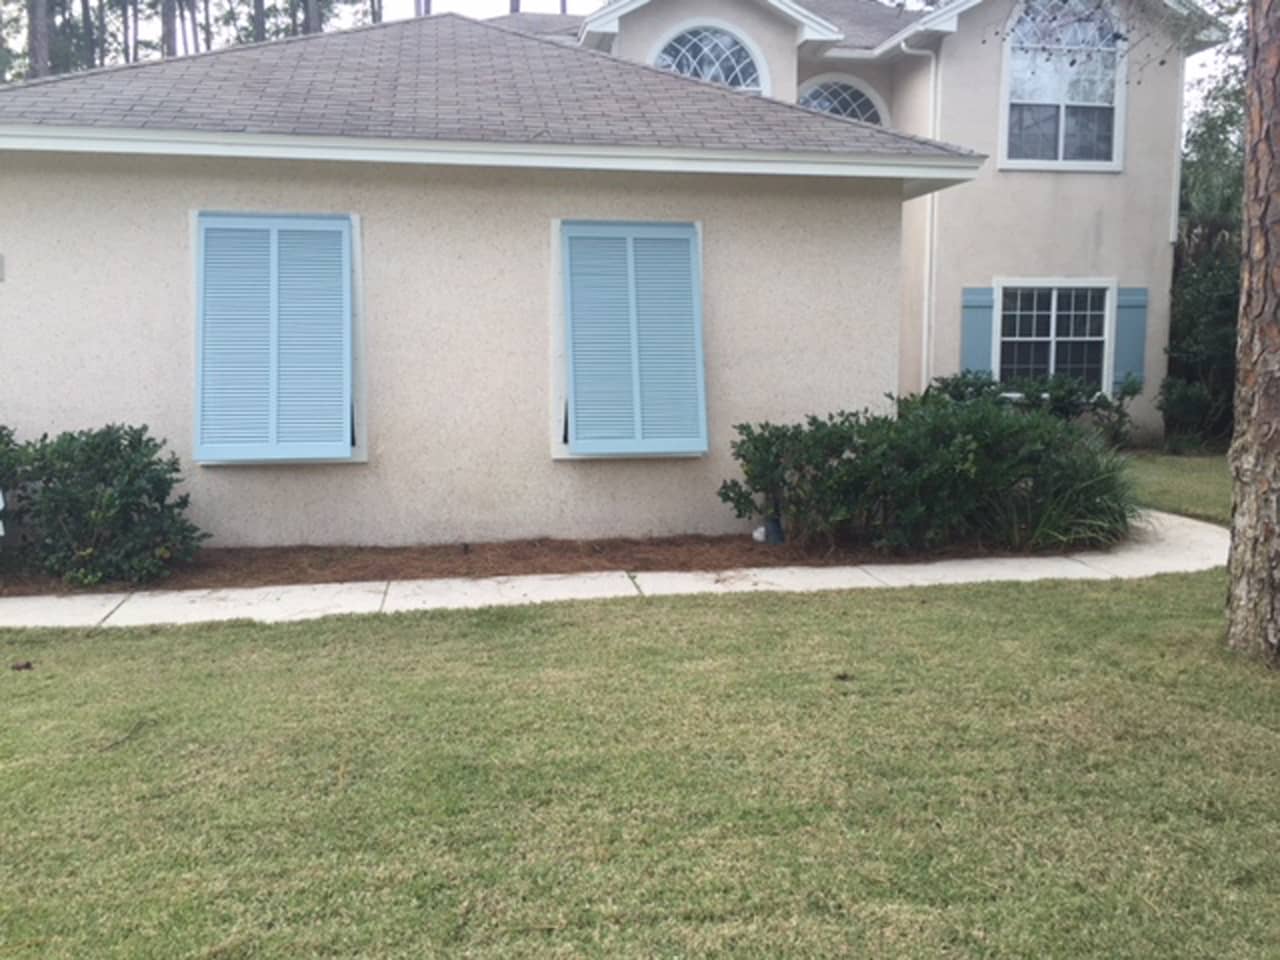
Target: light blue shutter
976,334
274,341
235,378
313,398
1131,333
633,303
672,408
604,401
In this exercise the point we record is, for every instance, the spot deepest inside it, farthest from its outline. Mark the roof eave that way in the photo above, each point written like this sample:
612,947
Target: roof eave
919,174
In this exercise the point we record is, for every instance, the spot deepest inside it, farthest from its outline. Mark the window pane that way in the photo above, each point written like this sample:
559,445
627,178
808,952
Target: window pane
1039,75
1024,359
1091,77
1082,312
1033,132
1088,133
1081,359
709,53
842,99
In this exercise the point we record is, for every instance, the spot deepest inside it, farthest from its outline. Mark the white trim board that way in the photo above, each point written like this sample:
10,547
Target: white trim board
921,174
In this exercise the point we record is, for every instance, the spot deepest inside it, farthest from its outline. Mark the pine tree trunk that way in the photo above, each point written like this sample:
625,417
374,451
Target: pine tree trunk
88,46
311,17
1254,601
259,21
38,38
515,6
168,28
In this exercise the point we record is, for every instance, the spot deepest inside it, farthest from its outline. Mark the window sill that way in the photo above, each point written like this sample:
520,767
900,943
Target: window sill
357,458
563,455
1060,166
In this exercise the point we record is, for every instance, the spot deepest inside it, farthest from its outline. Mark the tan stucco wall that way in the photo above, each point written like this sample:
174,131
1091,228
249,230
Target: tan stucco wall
97,320
1036,224
641,33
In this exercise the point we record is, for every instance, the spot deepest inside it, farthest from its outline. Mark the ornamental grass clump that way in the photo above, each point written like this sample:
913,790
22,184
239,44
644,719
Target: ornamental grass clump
941,473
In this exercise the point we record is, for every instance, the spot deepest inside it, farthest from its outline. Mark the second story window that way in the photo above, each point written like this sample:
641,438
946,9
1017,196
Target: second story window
1064,64
712,54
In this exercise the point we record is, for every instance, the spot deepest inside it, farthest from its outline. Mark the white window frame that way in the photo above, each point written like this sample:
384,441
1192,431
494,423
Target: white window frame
1110,284
753,48
1115,164
858,83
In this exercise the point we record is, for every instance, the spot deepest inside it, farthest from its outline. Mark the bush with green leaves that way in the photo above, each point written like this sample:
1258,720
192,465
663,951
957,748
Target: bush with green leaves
98,505
941,473
1067,398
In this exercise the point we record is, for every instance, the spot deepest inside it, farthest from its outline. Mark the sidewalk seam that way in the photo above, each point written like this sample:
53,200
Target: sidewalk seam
382,604
634,582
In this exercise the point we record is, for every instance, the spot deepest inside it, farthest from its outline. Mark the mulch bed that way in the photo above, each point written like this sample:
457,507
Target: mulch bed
276,566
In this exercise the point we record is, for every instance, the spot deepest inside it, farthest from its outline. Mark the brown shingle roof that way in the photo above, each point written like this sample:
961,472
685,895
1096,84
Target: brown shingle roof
540,24
864,23
445,79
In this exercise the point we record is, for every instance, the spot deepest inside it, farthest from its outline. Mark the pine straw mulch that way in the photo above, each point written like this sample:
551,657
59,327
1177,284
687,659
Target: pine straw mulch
278,566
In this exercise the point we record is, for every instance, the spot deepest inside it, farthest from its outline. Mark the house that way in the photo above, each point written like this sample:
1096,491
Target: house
441,280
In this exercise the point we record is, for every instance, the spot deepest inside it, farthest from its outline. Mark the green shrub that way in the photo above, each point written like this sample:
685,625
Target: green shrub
1067,398
98,505
940,473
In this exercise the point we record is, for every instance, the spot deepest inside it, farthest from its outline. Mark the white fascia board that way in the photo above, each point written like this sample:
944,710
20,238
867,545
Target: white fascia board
812,27
943,170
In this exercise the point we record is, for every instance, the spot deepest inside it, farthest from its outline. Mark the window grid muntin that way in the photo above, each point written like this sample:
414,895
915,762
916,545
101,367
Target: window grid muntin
1029,352
850,102
703,53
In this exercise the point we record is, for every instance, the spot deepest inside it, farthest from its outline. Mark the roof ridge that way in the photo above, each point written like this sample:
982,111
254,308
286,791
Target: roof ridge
727,92
229,49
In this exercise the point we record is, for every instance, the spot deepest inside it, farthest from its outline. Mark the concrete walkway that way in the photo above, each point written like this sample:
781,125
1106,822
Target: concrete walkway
1163,544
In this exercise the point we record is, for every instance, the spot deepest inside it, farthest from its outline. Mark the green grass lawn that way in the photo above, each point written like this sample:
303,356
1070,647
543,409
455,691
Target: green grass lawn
1192,486
1052,770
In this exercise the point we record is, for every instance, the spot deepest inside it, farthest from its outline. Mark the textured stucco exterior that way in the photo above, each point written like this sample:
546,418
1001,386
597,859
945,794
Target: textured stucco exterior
1008,223
1022,223
458,293
641,34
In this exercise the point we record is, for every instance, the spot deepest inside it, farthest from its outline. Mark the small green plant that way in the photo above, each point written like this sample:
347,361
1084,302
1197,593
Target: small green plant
98,505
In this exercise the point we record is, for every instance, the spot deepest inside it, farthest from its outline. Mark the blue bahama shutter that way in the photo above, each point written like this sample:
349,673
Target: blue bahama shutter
1131,333
976,334
633,304
275,350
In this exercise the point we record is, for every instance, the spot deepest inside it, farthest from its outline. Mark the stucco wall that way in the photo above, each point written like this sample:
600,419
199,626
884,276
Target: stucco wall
1035,224
640,34
97,324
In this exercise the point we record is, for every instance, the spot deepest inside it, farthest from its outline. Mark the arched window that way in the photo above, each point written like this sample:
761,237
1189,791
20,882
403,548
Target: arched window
844,98
1064,66
710,53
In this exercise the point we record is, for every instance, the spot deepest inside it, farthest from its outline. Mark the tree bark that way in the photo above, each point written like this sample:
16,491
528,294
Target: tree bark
1253,605
38,38
515,6
311,17
88,46
168,28
259,21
